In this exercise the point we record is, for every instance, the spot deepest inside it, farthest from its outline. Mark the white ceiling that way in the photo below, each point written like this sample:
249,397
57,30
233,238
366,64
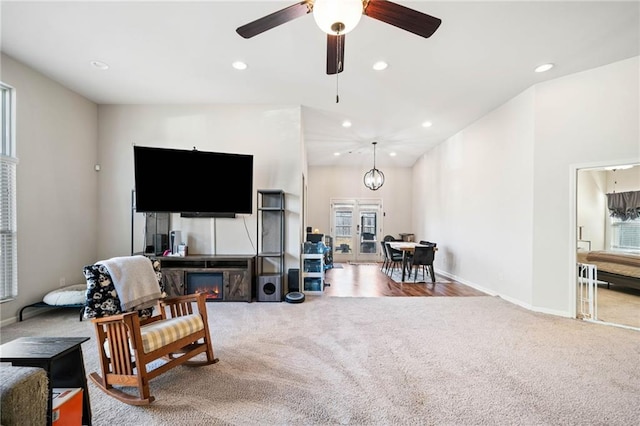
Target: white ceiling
163,52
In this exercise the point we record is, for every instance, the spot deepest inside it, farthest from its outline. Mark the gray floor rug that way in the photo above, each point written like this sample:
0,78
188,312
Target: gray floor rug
416,275
384,361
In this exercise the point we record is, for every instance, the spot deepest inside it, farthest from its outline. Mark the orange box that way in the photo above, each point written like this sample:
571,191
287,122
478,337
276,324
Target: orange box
66,407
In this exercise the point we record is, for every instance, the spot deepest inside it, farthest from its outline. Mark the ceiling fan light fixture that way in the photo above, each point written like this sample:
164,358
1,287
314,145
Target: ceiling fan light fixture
337,16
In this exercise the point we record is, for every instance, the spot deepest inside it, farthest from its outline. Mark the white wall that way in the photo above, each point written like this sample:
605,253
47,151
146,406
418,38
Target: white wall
346,182
498,196
475,200
581,118
56,133
270,133
591,208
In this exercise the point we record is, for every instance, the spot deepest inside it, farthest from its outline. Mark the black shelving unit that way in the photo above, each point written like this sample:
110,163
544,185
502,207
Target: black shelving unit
270,253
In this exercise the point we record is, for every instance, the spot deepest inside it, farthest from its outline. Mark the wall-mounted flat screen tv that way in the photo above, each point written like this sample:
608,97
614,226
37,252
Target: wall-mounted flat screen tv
193,183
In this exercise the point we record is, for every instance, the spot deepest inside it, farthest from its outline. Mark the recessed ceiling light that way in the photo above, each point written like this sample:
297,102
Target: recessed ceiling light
346,123
392,154
239,65
337,154
100,65
544,67
380,65
427,124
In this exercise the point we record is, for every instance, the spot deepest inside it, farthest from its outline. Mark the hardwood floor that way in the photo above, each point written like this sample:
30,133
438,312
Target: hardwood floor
367,280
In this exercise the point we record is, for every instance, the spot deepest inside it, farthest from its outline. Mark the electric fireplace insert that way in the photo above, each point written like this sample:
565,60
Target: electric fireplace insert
210,283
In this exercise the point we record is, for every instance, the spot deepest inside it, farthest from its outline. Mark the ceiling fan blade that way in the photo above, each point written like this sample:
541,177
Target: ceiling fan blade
335,53
274,19
402,17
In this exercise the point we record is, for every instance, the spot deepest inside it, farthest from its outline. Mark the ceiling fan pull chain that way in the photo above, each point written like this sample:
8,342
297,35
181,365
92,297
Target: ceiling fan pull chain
338,65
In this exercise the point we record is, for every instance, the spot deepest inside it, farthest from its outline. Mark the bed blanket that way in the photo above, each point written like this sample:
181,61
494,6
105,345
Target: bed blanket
619,258
616,266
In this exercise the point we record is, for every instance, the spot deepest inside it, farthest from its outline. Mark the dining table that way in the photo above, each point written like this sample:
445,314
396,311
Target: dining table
407,247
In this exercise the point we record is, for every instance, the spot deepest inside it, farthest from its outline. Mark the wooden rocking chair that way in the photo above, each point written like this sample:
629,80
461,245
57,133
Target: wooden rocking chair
127,344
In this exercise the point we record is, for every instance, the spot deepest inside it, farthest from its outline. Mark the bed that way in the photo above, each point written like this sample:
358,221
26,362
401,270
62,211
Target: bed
617,268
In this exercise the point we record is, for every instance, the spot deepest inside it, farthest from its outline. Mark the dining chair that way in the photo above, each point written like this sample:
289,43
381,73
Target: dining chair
385,256
395,257
344,248
428,243
423,257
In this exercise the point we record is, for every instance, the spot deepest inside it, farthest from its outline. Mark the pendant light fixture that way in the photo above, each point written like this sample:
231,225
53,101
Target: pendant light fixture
374,178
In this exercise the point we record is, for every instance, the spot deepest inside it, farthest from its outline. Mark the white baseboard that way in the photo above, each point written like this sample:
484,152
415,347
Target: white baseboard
8,321
509,299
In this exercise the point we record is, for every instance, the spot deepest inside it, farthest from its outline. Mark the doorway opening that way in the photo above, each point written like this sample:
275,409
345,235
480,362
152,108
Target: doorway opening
357,229
610,298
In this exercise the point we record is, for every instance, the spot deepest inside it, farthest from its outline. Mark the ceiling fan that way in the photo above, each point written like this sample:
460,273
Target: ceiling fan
338,17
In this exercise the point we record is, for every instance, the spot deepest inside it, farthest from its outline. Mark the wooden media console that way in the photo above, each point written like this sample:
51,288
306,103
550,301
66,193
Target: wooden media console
227,278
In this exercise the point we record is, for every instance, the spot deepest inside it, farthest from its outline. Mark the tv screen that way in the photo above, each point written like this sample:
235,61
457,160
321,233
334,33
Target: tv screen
194,183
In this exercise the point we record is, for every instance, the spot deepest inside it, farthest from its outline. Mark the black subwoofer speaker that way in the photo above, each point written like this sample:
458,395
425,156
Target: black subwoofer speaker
269,288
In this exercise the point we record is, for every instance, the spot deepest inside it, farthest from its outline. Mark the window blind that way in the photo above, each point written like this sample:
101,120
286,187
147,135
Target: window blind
8,235
625,235
8,222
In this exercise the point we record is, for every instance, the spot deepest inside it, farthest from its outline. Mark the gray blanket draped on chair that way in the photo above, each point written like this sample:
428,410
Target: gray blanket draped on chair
135,281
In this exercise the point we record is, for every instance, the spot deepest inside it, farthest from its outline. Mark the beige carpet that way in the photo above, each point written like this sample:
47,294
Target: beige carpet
385,361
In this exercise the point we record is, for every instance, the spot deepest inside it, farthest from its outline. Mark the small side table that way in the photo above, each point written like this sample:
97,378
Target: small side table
61,357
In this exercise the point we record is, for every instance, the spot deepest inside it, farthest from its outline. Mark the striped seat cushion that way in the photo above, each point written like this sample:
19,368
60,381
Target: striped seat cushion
161,333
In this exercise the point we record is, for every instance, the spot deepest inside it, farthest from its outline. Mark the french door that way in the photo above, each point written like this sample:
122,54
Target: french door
356,228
